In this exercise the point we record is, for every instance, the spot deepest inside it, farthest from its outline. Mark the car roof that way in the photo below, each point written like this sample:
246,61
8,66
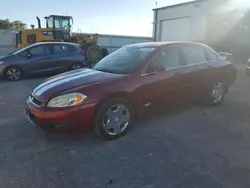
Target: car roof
162,44
68,43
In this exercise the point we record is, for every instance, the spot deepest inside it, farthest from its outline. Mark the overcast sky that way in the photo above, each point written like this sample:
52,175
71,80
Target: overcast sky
122,17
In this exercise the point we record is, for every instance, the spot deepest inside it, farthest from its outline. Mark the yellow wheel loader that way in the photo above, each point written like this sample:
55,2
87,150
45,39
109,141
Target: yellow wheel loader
58,28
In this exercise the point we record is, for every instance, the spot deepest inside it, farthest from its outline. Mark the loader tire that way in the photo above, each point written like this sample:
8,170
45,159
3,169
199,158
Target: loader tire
104,52
93,53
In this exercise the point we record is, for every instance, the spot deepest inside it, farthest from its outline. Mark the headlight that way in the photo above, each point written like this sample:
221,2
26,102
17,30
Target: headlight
1,62
66,100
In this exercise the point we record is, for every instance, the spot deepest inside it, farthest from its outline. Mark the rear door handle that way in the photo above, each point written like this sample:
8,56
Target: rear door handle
177,73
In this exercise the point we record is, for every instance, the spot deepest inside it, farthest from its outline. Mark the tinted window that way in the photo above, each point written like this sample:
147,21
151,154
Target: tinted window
193,54
168,58
211,56
124,60
38,50
59,48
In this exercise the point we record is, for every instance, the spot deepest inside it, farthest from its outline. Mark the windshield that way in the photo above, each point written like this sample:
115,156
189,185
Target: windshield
124,60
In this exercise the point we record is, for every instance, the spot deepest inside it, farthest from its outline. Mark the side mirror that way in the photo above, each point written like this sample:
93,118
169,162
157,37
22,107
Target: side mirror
29,55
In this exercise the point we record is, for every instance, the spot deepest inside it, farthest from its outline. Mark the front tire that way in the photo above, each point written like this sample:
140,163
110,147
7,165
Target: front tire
13,73
113,118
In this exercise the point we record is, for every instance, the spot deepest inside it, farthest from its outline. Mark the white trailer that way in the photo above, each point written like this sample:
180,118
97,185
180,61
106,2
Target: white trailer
113,42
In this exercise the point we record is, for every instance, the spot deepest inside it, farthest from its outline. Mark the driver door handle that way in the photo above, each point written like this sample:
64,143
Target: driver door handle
150,74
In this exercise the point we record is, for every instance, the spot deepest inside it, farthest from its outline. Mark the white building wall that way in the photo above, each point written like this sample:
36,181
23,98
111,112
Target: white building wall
7,40
196,12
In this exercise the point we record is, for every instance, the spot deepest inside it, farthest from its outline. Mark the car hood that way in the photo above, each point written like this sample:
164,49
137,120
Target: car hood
2,58
69,80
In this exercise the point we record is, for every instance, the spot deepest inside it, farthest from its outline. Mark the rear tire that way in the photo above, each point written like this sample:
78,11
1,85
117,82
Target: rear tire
248,72
13,73
216,93
104,52
113,118
92,52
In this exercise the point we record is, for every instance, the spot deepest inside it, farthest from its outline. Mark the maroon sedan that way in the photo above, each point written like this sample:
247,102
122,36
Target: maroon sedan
129,82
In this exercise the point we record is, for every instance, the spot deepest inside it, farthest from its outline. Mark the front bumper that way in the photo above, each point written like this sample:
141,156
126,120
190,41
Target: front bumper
78,117
2,68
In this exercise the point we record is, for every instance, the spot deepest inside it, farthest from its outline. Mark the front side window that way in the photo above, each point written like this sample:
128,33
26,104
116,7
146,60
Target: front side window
50,22
124,60
193,55
168,58
40,50
37,50
211,56
62,23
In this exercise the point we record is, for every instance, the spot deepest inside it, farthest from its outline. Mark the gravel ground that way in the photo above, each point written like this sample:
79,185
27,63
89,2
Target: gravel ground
196,146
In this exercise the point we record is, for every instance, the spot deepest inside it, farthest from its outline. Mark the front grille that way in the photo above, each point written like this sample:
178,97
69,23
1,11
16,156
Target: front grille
35,101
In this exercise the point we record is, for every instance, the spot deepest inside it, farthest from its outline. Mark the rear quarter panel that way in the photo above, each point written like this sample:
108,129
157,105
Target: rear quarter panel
224,71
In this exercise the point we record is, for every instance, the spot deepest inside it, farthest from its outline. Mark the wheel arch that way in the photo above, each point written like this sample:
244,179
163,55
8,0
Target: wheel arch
19,67
119,94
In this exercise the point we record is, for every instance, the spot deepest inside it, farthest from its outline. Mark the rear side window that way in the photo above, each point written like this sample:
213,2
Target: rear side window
211,56
193,55
62,48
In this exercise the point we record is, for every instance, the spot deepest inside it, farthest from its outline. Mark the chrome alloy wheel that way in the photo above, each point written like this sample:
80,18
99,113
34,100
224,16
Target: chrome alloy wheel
76,66
13,74
116,119
248,65
218,92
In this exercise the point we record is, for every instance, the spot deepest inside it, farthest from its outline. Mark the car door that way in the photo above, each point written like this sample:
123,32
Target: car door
62,57
159,83
194,73
35,59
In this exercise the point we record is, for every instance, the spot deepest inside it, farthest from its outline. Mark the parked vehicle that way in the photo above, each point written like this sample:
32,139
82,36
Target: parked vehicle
248,67
129,82
41,58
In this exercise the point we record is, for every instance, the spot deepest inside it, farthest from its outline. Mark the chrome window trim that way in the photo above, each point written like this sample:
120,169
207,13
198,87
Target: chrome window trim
144,71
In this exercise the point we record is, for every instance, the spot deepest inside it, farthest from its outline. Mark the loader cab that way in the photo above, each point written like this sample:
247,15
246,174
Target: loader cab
60,23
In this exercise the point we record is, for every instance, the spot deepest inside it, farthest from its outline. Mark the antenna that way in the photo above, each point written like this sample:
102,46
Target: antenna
155,4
